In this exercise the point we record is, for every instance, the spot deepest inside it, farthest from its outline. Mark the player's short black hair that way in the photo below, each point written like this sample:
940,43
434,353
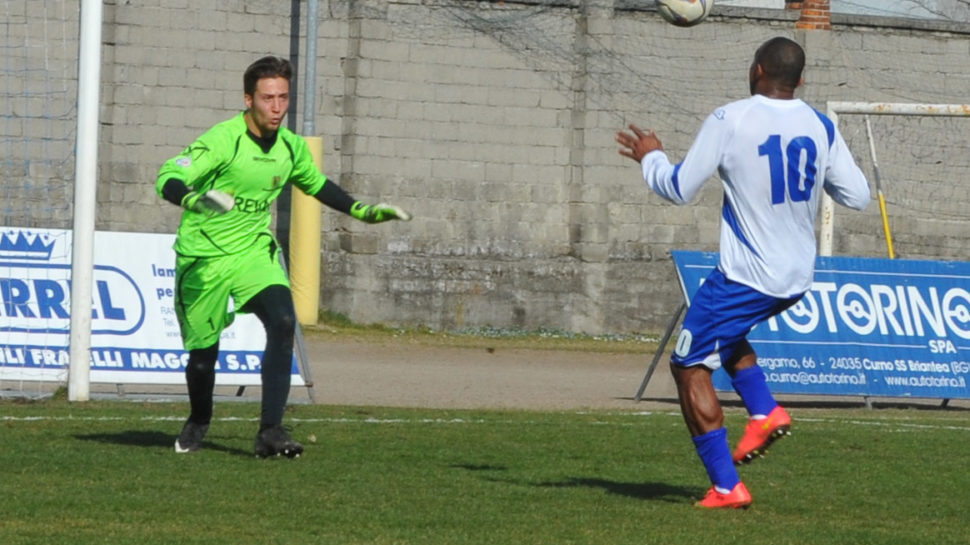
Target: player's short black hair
266,67
782,60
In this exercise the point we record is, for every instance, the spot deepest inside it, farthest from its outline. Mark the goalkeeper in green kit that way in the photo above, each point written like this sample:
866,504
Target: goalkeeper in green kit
226,181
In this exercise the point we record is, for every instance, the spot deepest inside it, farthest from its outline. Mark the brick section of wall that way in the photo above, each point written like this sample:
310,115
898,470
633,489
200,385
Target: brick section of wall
493,123
816,15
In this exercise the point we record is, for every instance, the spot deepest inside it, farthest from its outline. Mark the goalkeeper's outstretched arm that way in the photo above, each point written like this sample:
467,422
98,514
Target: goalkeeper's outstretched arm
335,197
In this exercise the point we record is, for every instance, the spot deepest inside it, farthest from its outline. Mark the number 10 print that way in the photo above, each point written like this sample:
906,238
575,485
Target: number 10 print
790,176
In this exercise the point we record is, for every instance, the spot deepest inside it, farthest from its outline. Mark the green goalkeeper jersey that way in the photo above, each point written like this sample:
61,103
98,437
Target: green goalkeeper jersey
228,158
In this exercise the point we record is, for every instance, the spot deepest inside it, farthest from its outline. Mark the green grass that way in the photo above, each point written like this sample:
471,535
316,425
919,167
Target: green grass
105,472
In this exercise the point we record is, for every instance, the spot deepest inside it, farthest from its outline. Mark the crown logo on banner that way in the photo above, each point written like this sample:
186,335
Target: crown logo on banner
23,247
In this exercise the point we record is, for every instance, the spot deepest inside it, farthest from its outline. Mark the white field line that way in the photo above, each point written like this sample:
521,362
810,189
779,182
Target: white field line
906,426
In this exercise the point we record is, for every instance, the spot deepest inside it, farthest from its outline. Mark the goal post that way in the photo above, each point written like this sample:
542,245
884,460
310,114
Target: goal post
913,147
85,200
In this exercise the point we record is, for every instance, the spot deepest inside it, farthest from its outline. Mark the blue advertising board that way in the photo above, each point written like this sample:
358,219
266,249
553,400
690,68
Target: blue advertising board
867,327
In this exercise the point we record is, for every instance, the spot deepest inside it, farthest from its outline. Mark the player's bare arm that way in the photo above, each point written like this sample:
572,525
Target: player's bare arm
637,144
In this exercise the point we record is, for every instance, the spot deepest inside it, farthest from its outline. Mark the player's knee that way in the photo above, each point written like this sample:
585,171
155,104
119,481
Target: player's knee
702,410
282,327
202,360
742,358
710,416
274,308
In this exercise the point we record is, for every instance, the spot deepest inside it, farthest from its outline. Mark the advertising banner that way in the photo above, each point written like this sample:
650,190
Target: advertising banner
135,335
867,327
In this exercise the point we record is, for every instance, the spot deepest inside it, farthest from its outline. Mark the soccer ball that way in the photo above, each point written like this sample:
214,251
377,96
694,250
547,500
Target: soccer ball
684,12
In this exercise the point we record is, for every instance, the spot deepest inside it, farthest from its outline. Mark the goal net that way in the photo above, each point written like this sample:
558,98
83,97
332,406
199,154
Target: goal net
38,117
916,154
38,113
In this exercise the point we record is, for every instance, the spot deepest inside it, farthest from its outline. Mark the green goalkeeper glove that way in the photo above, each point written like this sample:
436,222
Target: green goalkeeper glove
212,202
376,213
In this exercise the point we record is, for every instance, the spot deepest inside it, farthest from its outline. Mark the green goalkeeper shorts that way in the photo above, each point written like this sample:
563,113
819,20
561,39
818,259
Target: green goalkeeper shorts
204,285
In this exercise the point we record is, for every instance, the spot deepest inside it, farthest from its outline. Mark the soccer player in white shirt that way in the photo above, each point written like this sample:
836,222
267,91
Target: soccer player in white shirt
774,154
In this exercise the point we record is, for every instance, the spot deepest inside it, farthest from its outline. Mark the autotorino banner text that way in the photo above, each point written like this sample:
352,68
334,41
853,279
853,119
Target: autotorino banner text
868,327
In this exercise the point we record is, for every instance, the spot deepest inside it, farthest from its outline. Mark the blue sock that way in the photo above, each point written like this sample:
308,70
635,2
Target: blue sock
751,385
713,449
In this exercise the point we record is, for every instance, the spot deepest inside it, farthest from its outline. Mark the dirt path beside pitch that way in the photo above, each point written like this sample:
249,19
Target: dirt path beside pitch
384,370
411,374
408,373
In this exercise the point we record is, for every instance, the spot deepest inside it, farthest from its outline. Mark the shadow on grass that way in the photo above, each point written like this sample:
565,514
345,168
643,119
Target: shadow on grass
153,439
643,491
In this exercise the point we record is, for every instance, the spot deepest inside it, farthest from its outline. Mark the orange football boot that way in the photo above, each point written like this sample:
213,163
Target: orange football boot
760,434
738,498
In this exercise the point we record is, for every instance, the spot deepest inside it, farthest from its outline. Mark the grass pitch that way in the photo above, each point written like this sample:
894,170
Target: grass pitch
106,472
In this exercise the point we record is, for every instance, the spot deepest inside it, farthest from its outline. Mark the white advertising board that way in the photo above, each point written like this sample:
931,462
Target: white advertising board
135,335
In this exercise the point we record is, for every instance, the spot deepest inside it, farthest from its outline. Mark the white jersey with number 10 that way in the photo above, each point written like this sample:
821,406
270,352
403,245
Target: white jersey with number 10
773,157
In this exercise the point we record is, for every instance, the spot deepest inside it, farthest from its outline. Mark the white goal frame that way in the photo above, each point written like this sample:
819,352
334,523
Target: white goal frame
875,108
85,201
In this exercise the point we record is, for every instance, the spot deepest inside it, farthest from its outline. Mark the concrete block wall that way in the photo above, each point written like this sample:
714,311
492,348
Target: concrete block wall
493,122
38,80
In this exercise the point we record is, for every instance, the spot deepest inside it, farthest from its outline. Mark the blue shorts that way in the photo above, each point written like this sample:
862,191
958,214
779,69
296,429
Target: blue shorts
720,316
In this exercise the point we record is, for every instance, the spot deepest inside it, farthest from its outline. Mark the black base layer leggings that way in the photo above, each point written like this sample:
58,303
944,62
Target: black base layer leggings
274,308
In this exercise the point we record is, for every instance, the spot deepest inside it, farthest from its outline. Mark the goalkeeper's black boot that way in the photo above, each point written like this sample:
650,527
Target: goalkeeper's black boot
190,439
276,441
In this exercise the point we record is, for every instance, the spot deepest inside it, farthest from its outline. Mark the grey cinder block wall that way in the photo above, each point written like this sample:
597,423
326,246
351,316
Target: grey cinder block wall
493,122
